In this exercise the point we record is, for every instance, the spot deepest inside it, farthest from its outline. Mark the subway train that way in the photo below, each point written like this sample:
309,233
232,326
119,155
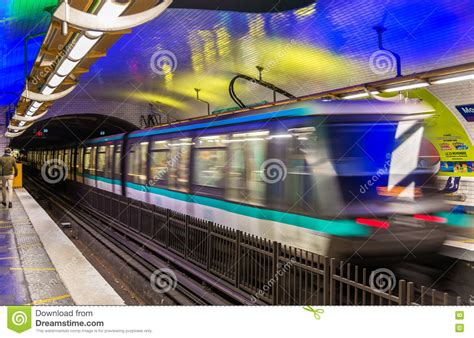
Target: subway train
341,178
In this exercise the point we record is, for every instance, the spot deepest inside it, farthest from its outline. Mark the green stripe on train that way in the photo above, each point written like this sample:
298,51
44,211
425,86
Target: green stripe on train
332,227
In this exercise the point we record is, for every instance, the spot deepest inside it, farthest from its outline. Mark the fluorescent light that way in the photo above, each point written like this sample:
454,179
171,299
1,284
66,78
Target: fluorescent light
47,90
66,67
36,104
82,46
55,80
360,95
454,79
407,87
86,42
21,124
355,96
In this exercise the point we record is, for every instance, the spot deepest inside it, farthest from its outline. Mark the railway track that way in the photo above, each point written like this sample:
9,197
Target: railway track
192,287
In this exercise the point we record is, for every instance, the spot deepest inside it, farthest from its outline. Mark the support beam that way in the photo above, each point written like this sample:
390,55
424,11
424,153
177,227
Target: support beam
43,98
91,22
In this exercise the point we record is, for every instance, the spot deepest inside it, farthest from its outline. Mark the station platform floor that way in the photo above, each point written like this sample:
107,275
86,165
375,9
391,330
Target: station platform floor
39,265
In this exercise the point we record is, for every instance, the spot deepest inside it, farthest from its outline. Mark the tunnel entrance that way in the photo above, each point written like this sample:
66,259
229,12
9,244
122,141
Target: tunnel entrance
70,128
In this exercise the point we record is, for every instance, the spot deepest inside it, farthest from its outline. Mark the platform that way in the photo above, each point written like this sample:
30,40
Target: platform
39,265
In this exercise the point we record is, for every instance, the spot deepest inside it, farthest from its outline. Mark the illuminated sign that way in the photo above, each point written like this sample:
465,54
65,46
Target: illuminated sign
467,111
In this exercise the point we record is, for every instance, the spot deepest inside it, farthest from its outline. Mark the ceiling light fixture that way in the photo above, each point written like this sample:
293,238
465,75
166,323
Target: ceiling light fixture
454,79
360,95
407,87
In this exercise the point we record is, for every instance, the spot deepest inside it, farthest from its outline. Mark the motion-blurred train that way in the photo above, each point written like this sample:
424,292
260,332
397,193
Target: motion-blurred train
337,178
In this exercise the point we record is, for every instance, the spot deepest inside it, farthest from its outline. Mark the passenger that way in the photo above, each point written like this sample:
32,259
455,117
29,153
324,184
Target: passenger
8,169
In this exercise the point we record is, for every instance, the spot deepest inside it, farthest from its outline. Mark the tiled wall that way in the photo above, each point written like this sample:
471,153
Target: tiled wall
129,111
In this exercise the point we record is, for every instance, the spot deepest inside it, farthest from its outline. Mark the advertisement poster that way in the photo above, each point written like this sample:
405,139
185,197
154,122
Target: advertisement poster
448,136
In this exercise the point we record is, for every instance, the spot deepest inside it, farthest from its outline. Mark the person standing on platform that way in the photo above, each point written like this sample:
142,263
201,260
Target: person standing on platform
8,170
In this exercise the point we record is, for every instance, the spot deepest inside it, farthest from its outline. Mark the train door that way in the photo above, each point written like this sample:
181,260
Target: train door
136,172
117,168
103,170
80,164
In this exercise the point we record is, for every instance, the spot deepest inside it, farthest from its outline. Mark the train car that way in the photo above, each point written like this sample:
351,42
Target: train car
336,178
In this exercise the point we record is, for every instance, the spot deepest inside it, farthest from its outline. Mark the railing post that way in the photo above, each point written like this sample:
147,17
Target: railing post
410,293
332,282
209,245
326,281
168,227
445,298
238,239
433,297
276,285
402,292
422,296
186,236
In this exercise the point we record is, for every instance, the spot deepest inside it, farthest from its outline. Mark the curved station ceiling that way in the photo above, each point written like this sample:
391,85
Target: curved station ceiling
304,47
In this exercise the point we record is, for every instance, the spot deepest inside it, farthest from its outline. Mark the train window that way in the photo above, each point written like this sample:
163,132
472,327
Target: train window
159,157
247,152
137,159
101,160
89,161
109,161
296,150
93,163
178,164
118,162
210,161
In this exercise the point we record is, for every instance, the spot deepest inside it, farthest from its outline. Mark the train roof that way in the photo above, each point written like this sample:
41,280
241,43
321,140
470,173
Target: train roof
301,109
312,108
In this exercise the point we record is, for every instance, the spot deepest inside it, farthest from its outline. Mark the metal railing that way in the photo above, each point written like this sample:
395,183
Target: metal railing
266,270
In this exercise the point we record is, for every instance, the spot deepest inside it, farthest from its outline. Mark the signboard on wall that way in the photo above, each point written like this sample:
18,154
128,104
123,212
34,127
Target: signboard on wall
467,111
448,135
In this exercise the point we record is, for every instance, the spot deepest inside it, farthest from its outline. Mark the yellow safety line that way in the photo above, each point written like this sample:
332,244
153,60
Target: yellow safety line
468,241
48,300
33,269
6,258
7,227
